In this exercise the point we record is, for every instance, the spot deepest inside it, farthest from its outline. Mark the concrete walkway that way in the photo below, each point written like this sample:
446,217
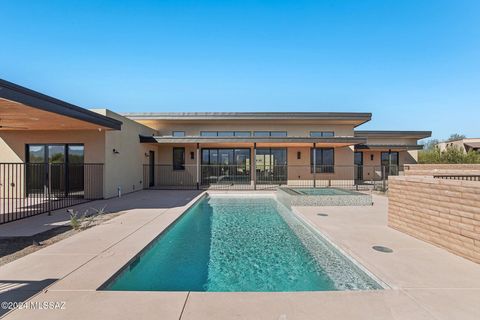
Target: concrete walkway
426,282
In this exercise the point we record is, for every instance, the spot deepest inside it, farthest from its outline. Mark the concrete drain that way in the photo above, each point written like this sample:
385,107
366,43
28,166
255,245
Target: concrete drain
322,214
382,249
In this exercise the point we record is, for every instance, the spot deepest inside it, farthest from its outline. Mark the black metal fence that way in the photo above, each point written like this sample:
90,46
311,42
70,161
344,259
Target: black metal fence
458,177
28,189
264,177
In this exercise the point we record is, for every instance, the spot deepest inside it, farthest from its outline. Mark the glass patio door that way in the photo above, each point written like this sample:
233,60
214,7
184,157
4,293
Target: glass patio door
225,166
60,166
358,162
271,165
390,161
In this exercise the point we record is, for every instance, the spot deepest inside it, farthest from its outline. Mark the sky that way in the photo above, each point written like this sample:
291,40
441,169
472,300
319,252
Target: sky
415,65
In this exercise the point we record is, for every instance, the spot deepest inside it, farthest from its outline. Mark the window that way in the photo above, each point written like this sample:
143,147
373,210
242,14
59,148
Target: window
225,133
178,158
55,153
178,133
270,133
66,172
324,160
243,133
228,157
322,134
208,133
75,153
389,160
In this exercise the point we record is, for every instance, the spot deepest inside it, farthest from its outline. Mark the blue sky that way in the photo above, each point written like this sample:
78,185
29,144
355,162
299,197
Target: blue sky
414,64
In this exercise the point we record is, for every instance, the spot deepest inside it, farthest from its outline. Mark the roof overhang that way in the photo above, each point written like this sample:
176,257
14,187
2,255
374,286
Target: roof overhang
355,118
386,147
25,109
473,145
291,141
393,134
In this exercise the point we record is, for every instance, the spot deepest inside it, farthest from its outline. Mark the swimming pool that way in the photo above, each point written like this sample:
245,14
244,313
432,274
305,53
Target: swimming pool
322,197
227,243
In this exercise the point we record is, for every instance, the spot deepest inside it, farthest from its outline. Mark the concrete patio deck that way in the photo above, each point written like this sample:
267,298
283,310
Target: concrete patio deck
426,282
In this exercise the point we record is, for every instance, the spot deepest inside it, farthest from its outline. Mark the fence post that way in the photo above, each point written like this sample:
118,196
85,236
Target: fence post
314,165
198,166
384,187
49,190
254,166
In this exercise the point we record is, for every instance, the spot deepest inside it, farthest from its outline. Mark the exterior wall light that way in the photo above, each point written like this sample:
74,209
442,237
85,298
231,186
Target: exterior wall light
371,157
192,155
115,151
299,155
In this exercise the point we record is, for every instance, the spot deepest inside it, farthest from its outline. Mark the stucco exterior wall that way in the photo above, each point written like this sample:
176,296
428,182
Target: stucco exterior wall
124,169
12,143
293,128
443,212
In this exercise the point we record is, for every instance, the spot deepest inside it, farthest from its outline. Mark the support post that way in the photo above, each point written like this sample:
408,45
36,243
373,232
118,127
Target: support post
254,166
314,164
198,166
49,194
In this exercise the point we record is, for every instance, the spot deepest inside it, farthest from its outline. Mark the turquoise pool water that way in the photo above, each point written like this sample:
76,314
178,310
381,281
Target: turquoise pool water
323,191
240,244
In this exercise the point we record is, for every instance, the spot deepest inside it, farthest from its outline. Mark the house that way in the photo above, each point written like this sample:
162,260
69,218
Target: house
465,145
50,146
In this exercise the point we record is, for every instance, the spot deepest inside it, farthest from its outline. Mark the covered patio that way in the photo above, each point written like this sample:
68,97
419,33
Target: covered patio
250,163
51,153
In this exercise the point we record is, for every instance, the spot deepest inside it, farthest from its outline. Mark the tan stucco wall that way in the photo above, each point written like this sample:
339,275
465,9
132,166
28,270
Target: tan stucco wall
293,128
12,143
125,169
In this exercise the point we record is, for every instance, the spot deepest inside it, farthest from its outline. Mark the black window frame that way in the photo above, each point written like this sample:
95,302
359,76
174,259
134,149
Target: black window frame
46,155
270,133
202,162
181,166
238,133
322,134
320,167
176,131
207,133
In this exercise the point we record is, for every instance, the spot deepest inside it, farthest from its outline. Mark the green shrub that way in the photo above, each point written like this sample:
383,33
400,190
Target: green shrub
450,155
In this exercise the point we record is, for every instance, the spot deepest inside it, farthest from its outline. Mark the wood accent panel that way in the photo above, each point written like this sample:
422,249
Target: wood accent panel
17,116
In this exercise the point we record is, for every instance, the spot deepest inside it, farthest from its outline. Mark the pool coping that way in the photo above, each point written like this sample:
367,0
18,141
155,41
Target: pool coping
349,255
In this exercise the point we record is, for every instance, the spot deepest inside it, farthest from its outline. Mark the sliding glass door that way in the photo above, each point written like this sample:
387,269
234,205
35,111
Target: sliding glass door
225,166
390,160
271,165
58,166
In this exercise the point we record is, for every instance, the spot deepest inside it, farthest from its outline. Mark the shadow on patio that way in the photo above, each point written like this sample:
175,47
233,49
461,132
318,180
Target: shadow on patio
144,199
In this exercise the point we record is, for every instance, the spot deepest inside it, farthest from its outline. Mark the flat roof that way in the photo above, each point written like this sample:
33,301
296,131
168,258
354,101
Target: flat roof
200,139
393,133
13,92
353,116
